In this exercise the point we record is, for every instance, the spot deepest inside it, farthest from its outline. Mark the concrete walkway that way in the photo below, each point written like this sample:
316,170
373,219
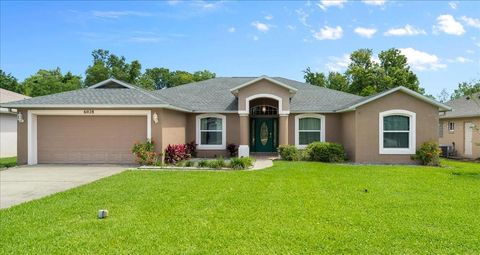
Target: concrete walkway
262,162
25,183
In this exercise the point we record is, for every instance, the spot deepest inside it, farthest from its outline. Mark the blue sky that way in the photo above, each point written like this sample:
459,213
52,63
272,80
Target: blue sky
441,39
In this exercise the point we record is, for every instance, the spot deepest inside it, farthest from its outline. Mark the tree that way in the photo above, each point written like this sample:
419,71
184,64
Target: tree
155,78
159,78
366,77
397,71
444,96
466,89
46,82
9,82
203,75
317,79
106,65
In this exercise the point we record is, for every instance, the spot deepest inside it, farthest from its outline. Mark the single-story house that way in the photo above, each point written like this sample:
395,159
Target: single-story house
460,128
8,124
99,124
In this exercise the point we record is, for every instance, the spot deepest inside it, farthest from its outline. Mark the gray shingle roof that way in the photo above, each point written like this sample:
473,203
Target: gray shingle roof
463,107
214,95
211,95
95,97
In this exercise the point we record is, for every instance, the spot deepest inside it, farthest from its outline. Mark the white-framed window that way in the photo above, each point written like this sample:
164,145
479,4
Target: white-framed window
397,132
309,128
211,131
451,126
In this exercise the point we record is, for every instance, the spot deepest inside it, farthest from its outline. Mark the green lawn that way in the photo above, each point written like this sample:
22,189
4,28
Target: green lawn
290,208
8,162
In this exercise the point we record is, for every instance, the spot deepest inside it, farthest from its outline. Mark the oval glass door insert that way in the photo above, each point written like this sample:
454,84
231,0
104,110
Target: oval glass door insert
264,134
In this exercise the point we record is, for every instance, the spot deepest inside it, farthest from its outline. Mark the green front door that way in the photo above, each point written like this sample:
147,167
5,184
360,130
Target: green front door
264,135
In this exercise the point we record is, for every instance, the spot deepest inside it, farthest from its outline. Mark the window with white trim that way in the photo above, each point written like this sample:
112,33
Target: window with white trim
211,132
451,126
397,132
309,128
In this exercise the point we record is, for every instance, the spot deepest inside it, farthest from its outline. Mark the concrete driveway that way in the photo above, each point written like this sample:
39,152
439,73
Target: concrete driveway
25,183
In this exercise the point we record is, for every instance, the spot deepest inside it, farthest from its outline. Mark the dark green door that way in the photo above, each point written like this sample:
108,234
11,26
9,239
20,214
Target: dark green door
264,135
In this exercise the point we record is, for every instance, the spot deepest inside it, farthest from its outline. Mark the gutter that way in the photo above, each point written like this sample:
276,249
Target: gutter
94,106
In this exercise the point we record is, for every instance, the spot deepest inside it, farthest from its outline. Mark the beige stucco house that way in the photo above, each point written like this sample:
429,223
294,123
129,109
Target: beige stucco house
460,128
8,124
100,124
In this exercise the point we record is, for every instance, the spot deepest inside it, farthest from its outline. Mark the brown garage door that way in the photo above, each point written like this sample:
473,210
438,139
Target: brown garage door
89,139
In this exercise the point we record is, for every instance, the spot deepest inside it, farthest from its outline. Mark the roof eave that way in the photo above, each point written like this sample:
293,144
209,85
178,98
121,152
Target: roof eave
94,106
441,107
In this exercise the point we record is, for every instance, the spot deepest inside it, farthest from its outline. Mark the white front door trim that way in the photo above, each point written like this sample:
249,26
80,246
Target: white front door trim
32,124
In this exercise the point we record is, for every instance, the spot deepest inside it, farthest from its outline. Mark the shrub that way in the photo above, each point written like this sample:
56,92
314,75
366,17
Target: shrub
191,148
145,153
241,163
232,149
203,163
429,154
175,153
189,163
325,152
289,152
216,163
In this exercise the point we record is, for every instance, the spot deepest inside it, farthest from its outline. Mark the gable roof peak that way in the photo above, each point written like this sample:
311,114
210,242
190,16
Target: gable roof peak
291,89
120,83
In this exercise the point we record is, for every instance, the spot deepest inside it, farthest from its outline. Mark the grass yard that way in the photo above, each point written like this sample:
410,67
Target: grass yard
8,162
293,207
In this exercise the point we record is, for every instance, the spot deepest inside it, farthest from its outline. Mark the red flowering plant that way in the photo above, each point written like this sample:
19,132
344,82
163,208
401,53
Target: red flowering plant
145,153
175,153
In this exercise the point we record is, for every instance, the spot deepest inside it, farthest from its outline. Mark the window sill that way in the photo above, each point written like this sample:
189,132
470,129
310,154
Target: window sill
211,147
409,151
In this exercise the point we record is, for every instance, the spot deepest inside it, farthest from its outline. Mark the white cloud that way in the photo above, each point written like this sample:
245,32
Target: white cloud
407,30
173,2
261,26
302,17
365,32
269,17
447,24
207,5
291,27
324,4
231,29
374,2
118,14
338,64
453,5
255,38
471,21
461,60
329,33
422,61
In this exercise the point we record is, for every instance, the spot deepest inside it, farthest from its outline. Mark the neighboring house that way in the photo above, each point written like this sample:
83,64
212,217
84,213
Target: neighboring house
8,124
460,128
100,124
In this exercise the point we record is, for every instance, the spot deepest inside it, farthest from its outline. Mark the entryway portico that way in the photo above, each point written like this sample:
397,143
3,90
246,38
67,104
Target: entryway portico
264,107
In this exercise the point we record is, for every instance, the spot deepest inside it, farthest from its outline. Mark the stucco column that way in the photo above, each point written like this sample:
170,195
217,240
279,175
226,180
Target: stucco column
243,148
283,128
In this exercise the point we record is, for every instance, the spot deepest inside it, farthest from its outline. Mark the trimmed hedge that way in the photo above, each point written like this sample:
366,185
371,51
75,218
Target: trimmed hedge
326,152
289,153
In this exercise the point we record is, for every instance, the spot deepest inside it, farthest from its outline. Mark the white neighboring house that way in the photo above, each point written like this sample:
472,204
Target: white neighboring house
8,124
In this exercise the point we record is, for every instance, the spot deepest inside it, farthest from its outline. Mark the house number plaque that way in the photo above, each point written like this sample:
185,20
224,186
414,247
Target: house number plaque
90,111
